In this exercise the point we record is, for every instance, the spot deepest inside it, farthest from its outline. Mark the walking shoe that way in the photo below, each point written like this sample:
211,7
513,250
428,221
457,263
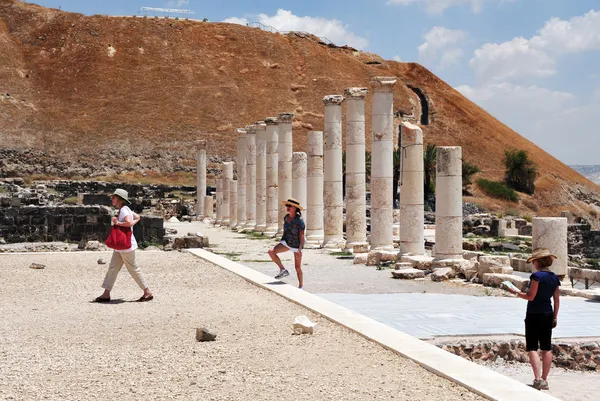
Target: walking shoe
539,384
544,385
282,273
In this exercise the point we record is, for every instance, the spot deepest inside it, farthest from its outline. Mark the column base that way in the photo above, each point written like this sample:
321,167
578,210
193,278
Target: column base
334,243
357,247
383,247
260,228
249,227
240,225
270,232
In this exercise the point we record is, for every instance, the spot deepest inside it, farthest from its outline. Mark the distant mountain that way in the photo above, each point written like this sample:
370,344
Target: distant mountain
592,172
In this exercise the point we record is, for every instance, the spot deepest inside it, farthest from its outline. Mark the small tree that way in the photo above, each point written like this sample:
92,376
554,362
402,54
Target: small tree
429,161
520,171
468,170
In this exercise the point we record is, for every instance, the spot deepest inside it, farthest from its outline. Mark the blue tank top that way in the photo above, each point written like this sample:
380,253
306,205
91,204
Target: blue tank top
548,282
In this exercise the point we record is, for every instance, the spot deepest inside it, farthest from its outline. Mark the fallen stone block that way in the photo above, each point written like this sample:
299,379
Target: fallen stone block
203,334
493,264
420,262
360,248
494,280
442,274
37,266
361,258
408,274
466,269
303,325
92,245
403,265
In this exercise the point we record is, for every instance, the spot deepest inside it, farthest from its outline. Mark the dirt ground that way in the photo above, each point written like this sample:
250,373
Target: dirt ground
58,345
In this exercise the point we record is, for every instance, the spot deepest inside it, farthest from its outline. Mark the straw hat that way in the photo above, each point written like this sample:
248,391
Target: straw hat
121,193
293,202
539,253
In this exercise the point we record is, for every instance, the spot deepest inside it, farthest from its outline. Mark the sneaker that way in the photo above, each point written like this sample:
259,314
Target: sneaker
282,273
544,385
540,384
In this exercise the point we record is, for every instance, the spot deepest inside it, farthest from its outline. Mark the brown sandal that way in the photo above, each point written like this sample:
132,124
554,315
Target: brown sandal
145,299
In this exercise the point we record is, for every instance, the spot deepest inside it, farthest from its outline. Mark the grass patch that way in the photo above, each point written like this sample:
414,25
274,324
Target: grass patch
342,255
257,236
71,200
3,189
258,261
498,190
234,256
146,244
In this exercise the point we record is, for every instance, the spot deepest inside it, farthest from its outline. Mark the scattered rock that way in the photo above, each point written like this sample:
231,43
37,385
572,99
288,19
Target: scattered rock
408,274
442,274
203,334
101,261
92,245
37,266
303,325
361,258
171,231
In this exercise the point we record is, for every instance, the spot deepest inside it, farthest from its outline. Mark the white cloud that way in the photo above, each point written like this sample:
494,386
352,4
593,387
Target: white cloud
397,58
442,44
521,57
332,29
236,20
437,7
178,3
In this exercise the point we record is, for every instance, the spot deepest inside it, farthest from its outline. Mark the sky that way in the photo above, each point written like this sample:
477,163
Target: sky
533,64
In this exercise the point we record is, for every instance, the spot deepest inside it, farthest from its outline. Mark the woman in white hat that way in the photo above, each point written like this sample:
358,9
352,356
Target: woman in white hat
292,240
125,218
541,317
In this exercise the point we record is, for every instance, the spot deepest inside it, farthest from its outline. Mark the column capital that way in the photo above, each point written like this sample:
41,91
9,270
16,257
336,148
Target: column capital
383,84
285,118
333,100
271,121
260,125
356,93
251,129
241,131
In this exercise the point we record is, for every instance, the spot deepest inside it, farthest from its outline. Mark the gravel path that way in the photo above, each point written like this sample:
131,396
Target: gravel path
57,345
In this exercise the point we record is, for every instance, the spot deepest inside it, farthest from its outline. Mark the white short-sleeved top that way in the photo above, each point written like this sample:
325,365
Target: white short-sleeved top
124,212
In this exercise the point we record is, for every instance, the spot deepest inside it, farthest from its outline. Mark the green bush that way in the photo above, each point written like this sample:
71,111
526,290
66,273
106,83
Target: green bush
520,171
468,170
498,190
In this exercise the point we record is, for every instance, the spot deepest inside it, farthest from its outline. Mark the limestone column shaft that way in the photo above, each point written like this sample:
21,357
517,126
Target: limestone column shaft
233,205
201,182
315,233
333,196
219,199
412,205
448,203
356,209
241,178
250,178
208,208
551,233
261,176
382,163
285,149
272,174
226,190
299,171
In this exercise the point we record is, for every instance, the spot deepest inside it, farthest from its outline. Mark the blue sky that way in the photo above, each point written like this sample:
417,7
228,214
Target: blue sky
531,63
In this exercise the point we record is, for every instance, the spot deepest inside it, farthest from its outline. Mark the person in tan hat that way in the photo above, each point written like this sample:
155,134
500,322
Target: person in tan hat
540,317
292,240
125,218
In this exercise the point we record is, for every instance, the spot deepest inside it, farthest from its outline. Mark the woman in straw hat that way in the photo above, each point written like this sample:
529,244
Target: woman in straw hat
292,239
125,218
540,317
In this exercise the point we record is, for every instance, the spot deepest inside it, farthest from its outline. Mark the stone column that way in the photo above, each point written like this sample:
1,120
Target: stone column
241,178
233,205
299,166
448,203
272,177
250,178
356,217
285,149
315,234
382,164
226,191
412,203
208,208
551,233
333,196
200,182
219,199
261,176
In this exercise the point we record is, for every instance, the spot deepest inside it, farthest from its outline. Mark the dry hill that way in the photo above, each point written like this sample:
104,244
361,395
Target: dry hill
99,96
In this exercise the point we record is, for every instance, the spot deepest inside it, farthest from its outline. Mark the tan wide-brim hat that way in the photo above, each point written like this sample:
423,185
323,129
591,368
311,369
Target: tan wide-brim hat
121,193
293,202
539,253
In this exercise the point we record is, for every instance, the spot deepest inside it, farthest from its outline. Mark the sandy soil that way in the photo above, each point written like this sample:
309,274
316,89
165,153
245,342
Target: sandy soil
57,345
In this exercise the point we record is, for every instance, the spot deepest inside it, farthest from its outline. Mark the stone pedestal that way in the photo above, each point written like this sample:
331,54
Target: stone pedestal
250,178
261,176
333,192
448,204
551,233
284,130
356,218
208,209
226,190
315,234
200,182
233,205
382,163
241,178
272,171
219,200
412,239
299,172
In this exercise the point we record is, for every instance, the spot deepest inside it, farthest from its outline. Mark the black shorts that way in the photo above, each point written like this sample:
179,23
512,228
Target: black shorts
538,331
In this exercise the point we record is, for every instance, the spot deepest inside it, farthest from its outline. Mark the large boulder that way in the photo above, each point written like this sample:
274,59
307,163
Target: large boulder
493,264
466,269
408,274
377,257
442,274
494,280
360,258
420,262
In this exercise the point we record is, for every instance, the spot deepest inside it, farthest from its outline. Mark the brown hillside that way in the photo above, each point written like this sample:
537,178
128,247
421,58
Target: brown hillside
105,95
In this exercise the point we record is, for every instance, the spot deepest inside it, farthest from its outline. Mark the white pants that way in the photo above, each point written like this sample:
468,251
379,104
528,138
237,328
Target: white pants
116,262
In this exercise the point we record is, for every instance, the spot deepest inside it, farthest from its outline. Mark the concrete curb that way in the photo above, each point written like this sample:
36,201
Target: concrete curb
476,378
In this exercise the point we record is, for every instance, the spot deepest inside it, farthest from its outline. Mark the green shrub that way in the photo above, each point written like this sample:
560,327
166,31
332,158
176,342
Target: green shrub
468,170
520,171
528,218
498,190
73,200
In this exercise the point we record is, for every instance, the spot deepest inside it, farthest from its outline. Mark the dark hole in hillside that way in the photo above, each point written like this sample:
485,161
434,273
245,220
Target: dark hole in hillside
424,105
